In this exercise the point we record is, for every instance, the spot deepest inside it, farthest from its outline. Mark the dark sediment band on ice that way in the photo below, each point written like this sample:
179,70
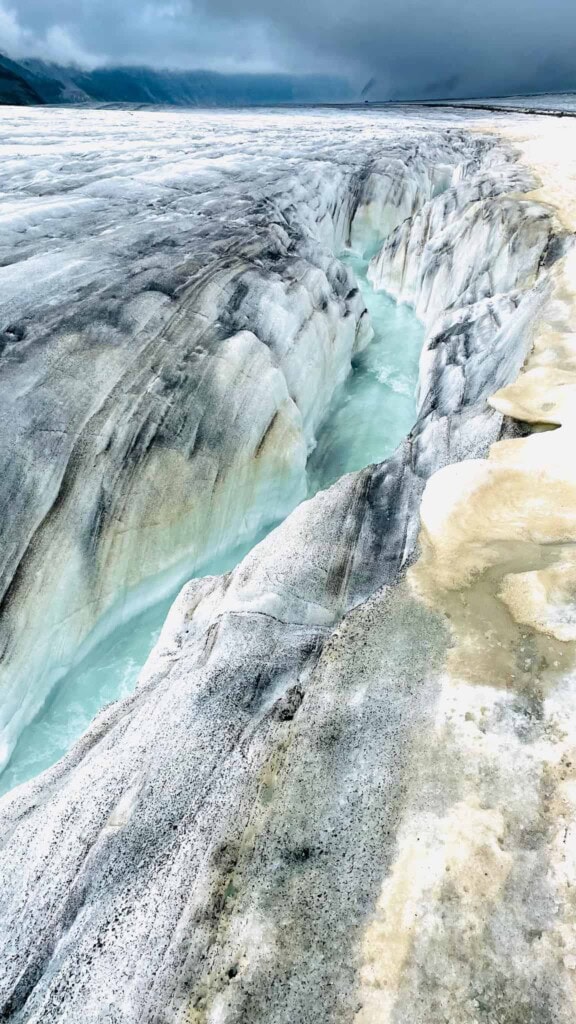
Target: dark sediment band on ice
518,107
213,847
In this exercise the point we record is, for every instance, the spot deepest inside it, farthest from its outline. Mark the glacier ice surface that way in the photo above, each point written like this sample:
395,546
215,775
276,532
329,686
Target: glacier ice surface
175,323
297,815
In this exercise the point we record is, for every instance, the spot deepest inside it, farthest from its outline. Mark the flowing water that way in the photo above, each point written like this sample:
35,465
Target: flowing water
374,409
369,416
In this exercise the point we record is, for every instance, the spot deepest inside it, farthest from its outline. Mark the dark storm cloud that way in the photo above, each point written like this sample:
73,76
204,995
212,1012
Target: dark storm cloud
409,48
163,33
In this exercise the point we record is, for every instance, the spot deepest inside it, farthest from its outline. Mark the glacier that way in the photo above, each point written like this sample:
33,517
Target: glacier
119,489
370,414
339,789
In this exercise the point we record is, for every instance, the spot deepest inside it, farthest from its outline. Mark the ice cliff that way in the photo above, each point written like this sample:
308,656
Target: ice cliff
339,792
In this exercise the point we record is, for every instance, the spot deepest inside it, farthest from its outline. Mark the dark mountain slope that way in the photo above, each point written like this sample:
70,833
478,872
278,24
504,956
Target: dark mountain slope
32,81
14,88
54,83
58,84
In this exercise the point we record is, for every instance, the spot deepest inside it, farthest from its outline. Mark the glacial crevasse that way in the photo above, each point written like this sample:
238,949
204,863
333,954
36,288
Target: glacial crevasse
150,425
234,840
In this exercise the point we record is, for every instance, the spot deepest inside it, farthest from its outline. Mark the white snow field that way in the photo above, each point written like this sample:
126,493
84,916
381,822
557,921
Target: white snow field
545,103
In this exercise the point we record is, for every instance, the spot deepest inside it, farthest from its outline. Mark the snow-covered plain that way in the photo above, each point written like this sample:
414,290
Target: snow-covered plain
545,103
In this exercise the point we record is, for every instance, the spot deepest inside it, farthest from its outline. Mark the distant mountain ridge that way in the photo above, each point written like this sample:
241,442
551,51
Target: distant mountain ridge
15,85
35,81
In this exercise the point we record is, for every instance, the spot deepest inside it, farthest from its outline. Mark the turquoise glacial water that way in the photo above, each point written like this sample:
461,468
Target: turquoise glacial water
375,407
371,413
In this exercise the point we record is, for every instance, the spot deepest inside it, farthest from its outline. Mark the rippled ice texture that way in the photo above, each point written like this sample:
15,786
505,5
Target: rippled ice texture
108,673
89,200
370,415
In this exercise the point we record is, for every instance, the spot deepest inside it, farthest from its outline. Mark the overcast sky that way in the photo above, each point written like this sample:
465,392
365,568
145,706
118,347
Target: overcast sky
409,46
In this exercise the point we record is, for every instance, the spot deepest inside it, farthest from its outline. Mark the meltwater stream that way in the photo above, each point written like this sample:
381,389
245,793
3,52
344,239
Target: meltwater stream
369,416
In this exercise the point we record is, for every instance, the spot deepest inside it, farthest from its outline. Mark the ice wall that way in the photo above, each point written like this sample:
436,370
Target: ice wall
239,840
175,325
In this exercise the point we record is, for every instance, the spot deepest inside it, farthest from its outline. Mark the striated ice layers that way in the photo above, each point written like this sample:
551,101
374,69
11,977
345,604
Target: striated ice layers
370,414
173,338
176,323
309,809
